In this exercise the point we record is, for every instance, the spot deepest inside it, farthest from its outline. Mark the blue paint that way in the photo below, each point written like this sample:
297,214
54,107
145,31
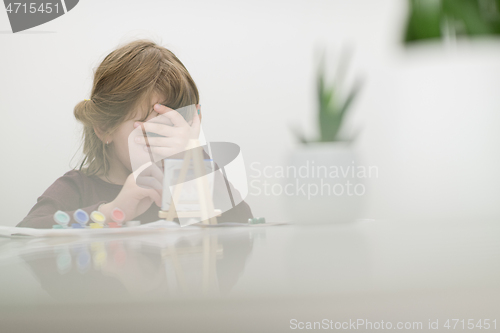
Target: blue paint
81,216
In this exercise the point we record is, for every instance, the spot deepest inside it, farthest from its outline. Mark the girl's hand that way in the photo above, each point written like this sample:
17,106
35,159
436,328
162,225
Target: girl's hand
137,196
174,130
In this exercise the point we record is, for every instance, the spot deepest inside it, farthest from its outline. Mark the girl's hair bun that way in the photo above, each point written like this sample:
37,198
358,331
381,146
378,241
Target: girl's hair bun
80,111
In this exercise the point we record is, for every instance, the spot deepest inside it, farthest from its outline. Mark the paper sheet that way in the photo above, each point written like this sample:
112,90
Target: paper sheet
153,227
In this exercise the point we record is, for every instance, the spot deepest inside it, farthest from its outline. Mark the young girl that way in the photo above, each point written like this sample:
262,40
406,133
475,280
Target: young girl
132,85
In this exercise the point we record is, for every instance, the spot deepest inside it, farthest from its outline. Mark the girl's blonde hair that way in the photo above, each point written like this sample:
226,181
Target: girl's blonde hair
125,80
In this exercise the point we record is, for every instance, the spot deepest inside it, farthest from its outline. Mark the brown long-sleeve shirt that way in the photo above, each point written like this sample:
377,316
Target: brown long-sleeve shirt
76,190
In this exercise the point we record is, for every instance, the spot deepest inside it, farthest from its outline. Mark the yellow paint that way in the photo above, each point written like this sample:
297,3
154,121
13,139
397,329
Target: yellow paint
98,217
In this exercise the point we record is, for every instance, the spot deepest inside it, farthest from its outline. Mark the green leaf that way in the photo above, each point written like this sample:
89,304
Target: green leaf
350,98
428,19
330,113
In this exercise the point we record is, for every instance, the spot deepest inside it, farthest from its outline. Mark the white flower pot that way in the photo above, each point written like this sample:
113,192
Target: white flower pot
324,184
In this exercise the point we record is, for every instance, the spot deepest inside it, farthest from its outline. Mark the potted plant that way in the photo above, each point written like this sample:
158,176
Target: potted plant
434,148
324,170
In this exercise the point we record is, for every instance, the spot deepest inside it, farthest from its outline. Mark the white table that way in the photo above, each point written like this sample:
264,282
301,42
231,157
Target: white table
269,279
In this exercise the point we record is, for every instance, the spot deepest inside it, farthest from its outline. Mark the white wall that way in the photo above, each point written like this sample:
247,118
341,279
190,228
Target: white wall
429,122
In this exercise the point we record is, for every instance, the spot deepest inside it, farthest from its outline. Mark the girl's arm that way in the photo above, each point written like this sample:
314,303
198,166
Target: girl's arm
65,195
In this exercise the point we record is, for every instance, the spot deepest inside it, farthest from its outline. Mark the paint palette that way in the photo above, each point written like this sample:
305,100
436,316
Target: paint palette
81,218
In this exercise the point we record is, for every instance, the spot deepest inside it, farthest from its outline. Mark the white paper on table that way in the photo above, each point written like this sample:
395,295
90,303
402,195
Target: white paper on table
158,226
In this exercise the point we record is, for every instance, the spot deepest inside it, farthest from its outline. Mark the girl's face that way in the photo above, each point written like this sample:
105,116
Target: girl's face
119,138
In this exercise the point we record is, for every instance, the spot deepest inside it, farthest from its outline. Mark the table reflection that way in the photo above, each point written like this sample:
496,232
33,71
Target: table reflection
158,266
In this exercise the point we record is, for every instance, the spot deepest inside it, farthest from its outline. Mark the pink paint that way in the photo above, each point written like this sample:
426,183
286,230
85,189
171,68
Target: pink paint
118,215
